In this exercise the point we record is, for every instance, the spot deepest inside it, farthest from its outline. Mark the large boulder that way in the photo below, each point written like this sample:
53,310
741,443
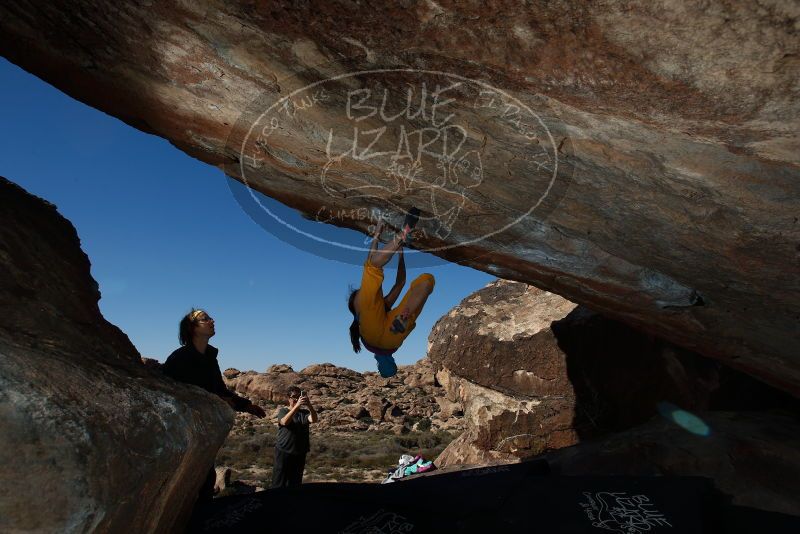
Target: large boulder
534,372
92,440
638,157
271,386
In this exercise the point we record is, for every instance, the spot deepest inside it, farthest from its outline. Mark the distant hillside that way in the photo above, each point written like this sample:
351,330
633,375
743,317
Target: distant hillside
366,422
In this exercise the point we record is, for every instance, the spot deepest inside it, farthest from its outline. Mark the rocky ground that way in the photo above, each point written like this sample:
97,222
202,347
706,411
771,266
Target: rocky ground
366,422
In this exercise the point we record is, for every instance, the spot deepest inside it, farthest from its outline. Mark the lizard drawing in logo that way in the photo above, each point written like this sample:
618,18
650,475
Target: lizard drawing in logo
438,182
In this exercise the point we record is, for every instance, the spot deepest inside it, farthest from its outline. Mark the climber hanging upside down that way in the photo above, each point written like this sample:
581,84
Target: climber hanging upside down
375,324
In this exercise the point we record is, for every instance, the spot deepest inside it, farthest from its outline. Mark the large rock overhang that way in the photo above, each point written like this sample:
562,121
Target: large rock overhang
675,126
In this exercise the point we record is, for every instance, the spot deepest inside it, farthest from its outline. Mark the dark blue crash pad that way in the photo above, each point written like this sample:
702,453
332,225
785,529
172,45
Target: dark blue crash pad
504,499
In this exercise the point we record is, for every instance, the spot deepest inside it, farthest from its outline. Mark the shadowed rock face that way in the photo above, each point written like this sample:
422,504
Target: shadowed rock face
91,440
674,202
751,456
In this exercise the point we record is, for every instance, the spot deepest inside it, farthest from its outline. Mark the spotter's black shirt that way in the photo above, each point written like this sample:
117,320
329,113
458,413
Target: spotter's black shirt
189,366
293,438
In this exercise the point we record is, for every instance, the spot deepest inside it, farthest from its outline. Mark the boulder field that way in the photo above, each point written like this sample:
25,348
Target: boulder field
350,401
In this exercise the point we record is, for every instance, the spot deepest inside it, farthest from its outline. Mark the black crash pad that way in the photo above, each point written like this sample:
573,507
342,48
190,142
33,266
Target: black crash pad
511,498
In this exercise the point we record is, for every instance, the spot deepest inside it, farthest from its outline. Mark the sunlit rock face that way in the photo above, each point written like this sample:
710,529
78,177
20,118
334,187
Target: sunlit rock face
91,440
533,372
638,157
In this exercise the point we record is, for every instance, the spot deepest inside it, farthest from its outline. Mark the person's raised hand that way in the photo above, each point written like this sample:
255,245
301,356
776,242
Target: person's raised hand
257,411
378,228
303,400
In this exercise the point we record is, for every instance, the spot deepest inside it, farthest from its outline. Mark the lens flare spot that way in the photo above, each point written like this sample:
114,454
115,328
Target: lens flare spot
686,420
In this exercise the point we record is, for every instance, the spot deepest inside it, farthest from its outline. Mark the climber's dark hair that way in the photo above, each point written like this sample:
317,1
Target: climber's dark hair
355,334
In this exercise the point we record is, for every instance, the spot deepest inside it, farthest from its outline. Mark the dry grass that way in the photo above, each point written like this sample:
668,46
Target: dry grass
334,457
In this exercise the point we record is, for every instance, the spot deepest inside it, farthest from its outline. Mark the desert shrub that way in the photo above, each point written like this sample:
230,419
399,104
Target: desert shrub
411,420
346,456
244,450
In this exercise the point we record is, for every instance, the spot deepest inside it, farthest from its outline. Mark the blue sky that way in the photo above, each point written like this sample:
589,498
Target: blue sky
164,233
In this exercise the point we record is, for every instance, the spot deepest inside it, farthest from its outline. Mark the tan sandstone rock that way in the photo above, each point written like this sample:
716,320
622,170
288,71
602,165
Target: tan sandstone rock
92,439
349,400
223,478
638,157
534,373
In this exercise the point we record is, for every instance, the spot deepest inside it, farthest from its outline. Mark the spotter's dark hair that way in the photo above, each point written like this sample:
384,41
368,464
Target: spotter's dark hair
186,326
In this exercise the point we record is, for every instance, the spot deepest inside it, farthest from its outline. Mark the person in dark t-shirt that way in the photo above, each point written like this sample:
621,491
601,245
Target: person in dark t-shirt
195,362
292,444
